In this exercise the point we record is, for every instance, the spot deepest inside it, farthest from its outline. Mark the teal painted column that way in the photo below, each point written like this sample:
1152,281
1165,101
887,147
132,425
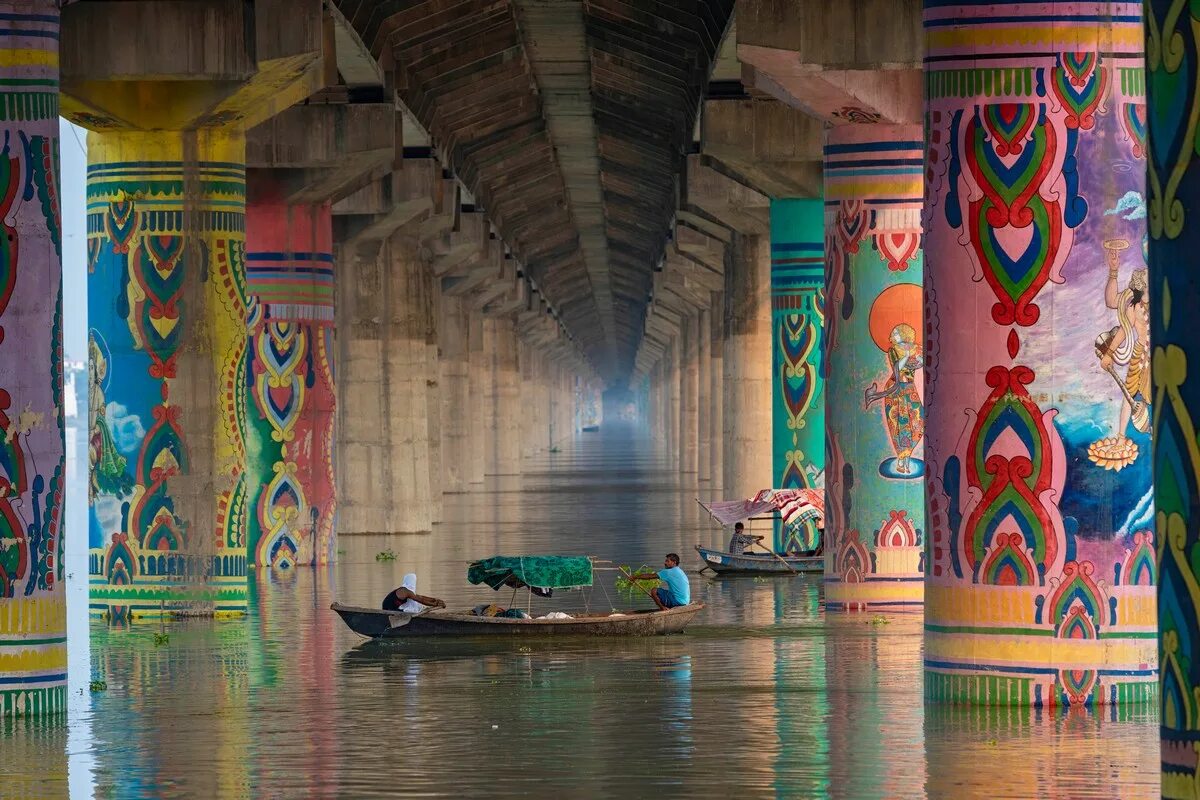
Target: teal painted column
798,354
876,411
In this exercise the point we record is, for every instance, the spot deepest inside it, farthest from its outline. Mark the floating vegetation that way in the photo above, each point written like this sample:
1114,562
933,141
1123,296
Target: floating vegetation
98,686
880,620
623,583
555,450
161,639
385,555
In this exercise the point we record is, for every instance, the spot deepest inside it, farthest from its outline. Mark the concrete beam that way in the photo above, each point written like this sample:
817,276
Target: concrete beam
406,196
766,144
146,65
323,152
842,35
725,200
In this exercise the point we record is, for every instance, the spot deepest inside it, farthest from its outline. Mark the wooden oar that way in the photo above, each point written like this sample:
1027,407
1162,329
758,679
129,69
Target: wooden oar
781,558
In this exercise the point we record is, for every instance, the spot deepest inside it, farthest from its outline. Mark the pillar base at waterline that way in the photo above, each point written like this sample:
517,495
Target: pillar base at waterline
33,657
878,592
1002,651
223,597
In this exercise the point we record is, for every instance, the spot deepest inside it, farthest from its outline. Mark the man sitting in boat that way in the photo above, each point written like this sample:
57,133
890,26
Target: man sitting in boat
740,541
407,600
677,591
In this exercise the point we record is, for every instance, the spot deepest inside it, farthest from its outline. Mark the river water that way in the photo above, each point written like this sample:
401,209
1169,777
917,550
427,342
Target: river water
763,696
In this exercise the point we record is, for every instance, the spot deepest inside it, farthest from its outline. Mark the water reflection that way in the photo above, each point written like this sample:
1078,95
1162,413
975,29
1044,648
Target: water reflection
764,697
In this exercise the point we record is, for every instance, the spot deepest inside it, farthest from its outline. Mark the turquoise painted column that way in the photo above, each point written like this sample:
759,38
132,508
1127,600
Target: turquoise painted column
798,354
875,415
1173,99
33,604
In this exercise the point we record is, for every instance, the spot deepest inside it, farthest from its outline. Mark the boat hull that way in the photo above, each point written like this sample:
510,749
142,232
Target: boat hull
378,624
724,563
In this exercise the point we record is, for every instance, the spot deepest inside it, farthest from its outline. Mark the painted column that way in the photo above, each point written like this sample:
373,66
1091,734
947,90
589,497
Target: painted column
748,368
292,402
875,417
1040,578
33,618
716,386
798,352
703,398
455,379
169,355
1173,83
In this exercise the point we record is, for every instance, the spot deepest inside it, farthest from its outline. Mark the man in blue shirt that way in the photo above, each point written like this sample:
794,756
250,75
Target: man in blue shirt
677,592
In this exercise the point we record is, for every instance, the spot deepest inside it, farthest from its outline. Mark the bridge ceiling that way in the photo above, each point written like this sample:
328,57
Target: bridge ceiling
569,120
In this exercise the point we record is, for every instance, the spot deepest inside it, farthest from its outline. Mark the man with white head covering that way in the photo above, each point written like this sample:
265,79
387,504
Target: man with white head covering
407,600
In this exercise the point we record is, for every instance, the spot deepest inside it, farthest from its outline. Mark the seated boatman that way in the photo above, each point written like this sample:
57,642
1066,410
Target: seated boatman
677,592
407,600
740,540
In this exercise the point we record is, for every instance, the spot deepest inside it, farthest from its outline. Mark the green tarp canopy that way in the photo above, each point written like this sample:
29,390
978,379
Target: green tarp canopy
540,572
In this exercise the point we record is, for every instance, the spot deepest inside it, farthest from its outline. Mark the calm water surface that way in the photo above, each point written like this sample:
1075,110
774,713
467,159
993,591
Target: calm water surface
764,696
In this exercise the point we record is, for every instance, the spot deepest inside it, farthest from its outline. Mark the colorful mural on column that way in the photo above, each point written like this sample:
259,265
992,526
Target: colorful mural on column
169,369
33,619
798,354
875,412
290,433
1040,572
1173,84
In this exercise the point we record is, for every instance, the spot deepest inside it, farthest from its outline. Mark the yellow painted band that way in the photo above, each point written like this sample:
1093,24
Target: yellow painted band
1014,605
845,189
29,58
50,658
1024,650
987,38
33,615
211,144
875,592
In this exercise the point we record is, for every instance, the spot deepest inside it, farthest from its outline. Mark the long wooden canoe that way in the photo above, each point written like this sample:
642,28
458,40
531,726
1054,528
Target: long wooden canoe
723,562
376,623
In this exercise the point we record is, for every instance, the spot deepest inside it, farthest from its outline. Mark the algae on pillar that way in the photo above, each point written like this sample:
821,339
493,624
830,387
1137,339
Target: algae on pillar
798,354
874,414
33,606
1174,205
1040,578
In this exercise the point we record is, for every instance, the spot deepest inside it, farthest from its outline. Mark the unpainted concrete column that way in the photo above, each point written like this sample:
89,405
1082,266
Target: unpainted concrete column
704,409
747,412
481,393
674,401
431,293
292,408
716,394
455,383
506,397
33,606
689,379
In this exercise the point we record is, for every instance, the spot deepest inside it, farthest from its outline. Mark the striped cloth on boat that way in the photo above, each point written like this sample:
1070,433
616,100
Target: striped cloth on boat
796,506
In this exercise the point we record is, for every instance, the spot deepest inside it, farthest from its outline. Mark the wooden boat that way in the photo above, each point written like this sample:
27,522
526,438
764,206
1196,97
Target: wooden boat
724,562
376,623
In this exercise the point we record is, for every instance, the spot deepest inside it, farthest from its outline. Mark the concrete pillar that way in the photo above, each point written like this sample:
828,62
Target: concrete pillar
479,427
431,293
505,440
454,371
529,391
875,416
674,398
33,619
704,408
168,309
1174,294
689,416
716,395
290,367
1038,470
383,419
798,324
747,408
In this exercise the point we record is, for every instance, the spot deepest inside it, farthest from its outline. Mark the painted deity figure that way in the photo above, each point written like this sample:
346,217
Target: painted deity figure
903,411
1127,346
108,465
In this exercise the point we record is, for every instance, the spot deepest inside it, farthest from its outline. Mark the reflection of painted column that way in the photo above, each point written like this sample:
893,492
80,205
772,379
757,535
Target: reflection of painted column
875,417
798,344
1174,200
1041,569
33,623
290,414
168,310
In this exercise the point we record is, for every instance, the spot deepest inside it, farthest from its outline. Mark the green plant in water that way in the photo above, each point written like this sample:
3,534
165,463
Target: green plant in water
385,555
879,620
555,450
98,686
161,638
623,583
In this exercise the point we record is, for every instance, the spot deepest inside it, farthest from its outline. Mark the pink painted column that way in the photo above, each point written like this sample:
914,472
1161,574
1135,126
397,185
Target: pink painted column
1040,574
290,419
33,606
